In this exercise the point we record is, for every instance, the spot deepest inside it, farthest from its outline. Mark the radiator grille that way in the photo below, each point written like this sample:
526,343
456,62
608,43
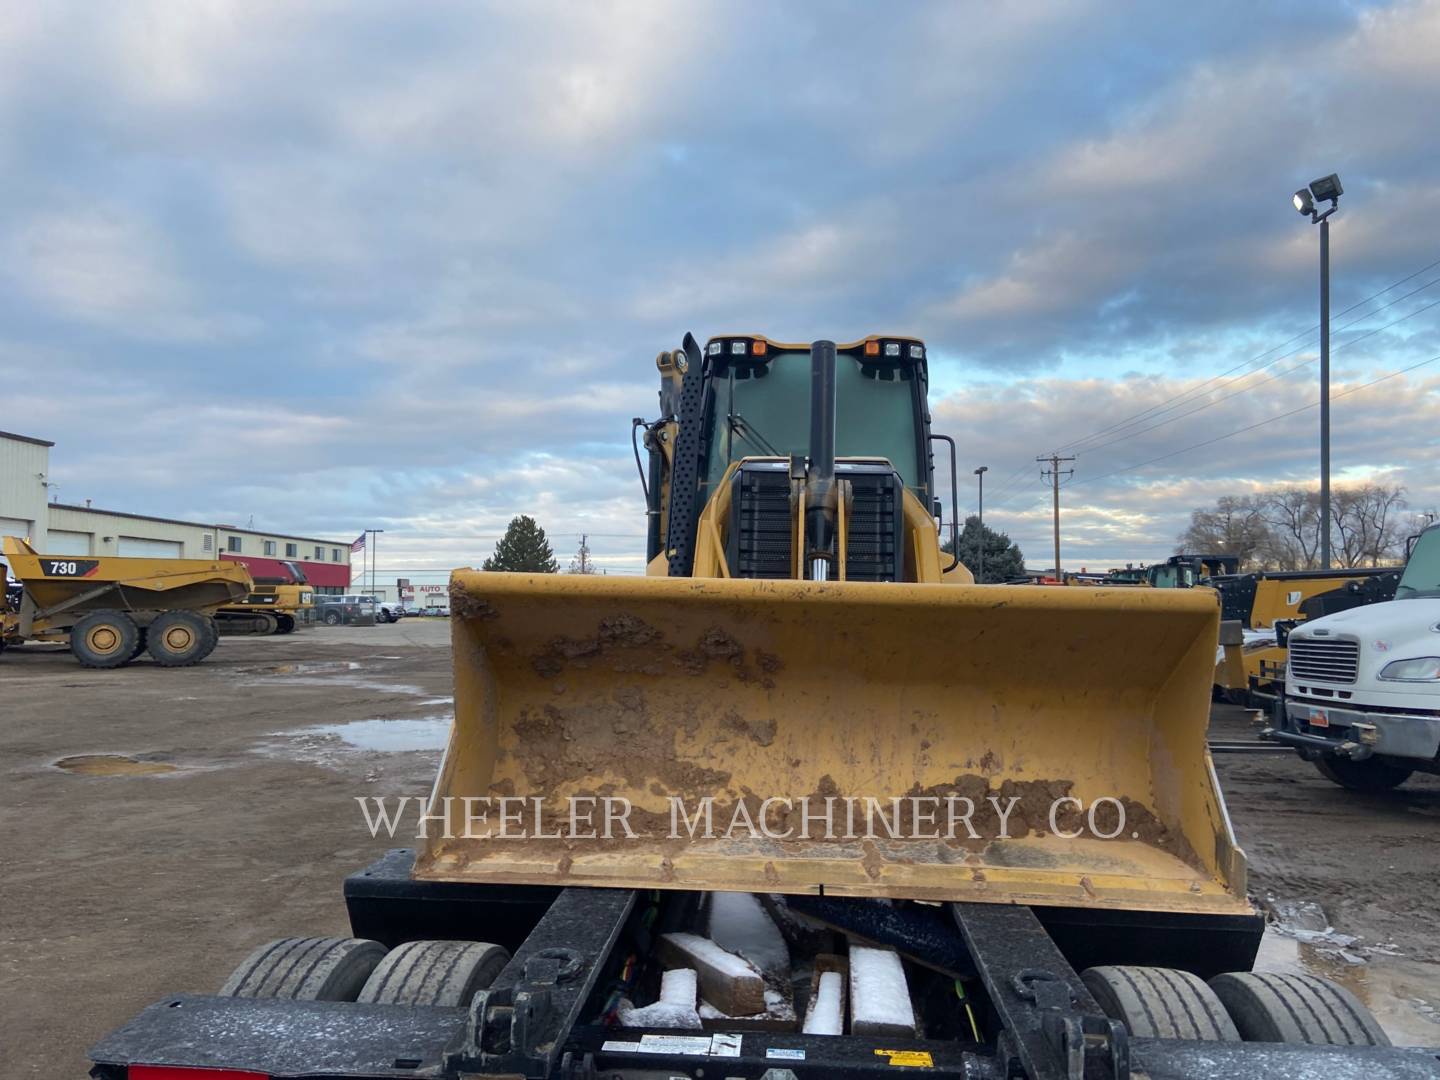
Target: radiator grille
1324,661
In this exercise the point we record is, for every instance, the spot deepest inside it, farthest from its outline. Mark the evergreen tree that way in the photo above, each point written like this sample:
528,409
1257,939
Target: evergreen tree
1003,558
523,549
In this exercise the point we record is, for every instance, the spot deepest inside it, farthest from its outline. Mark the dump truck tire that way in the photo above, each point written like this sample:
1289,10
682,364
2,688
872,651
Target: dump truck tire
104,639
1160,1003
306,969
446,973
178,639
139,644
1268,1007
1361,775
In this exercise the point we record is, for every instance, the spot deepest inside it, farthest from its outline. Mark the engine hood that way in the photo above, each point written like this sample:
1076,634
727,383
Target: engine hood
1397,623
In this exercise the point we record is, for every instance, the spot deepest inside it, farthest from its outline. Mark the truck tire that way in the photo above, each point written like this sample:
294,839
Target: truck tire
212,636
305,969
434,973
1361,775
178,639
1296,1009
104,639
139,644
1160,1003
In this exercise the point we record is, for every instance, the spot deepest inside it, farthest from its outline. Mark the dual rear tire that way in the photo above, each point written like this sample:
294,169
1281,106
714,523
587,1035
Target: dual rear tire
1162,1003
111,639
441,973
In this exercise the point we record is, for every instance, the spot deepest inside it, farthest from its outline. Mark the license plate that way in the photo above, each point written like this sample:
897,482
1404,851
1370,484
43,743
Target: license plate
1319,718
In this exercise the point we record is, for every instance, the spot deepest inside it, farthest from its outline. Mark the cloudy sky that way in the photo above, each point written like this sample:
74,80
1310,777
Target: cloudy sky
343,266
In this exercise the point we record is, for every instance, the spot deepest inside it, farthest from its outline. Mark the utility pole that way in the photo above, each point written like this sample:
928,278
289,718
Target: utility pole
1325,563
1053,474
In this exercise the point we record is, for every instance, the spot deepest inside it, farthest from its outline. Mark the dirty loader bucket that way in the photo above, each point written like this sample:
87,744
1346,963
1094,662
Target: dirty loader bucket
800,737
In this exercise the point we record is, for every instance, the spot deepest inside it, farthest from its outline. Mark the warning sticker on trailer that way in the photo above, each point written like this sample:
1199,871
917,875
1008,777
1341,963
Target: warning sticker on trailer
783,1053
917,1058
684,1045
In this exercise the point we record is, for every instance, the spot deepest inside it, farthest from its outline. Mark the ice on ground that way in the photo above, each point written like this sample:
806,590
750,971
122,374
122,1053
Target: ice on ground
740,924
825,1016
878,991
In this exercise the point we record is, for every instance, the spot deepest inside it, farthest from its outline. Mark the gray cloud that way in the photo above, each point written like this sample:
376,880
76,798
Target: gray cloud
344,265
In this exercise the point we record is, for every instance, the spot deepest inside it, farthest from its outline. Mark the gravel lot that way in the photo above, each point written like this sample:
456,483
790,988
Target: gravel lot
233,821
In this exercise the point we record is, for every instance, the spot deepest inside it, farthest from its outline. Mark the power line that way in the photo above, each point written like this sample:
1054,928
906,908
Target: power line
1246,363
1262,423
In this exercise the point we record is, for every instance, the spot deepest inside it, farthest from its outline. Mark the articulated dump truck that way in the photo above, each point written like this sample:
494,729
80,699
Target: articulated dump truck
803,801
110,609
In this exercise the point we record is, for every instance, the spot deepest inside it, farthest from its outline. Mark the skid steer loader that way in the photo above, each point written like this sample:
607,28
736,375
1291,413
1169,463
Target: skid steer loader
801,633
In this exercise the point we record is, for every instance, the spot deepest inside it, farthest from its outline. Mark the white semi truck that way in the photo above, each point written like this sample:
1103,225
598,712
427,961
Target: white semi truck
1362,687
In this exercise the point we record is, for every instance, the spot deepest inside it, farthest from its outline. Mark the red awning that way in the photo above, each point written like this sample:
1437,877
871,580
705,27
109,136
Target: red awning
319,574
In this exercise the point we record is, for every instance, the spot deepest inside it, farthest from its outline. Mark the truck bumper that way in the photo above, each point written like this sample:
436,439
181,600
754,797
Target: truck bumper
1355,733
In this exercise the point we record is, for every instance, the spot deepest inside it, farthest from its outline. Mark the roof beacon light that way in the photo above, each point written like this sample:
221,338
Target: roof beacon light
872,348
757,348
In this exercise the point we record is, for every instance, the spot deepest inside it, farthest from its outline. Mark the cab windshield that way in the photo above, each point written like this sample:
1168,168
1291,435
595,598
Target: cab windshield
1422,572
770,417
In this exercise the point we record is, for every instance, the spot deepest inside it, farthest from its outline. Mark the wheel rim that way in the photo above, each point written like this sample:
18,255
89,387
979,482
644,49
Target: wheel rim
179,638
104,640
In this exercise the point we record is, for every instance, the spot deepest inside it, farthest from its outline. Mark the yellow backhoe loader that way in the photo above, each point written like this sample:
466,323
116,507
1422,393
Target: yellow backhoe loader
802,635
110,609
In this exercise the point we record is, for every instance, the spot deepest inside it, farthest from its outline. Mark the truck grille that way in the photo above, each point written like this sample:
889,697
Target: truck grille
1324,661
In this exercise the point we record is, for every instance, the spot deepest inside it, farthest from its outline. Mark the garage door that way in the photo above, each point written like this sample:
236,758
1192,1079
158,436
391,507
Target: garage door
140,547
14,527
60,542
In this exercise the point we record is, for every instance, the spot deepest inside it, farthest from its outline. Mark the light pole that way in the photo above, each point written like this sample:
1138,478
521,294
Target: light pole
374,543
980,566
1326,189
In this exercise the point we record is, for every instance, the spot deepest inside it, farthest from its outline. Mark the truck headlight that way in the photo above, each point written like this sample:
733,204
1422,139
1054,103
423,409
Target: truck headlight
1421,669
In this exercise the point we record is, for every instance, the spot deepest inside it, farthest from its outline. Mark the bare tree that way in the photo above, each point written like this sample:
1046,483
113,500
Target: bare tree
582,563
1367,524
1236,526
1280,529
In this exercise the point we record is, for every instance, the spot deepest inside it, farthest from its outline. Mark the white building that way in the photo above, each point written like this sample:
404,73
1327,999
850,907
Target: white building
62,529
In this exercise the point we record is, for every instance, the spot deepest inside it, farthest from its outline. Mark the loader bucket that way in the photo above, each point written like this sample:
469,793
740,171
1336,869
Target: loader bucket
783,706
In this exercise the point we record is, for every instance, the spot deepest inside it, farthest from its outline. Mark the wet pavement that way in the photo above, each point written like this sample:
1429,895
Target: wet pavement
159,823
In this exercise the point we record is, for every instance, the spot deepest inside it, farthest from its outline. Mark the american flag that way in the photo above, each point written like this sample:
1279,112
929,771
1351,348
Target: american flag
359,544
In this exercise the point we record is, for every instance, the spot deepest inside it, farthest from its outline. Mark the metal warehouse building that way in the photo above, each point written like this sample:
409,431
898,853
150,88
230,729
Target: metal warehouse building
62,529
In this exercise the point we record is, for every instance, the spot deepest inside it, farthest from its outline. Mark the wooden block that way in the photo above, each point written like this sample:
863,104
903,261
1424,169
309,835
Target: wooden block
879,996
729,983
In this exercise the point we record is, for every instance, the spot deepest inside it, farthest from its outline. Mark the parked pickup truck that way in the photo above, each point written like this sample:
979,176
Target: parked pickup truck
1362,687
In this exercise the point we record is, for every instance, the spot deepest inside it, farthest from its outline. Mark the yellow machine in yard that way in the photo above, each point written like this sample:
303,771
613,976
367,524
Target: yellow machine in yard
804,801
109,609
269,609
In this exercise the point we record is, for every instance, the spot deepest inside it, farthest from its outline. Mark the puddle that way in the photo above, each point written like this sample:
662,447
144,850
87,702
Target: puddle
1403,994
303,667
388,736
112,765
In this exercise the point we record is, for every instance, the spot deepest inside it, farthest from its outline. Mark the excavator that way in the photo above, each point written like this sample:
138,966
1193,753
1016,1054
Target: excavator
802,801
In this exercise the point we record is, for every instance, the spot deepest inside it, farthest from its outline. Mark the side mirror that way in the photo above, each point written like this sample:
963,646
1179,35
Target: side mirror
937,510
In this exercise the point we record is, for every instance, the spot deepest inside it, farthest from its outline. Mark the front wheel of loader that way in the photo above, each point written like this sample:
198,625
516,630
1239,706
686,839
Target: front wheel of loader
1160,1003
1361,775
306,969
104,639
446,973
178,639
1269,1007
